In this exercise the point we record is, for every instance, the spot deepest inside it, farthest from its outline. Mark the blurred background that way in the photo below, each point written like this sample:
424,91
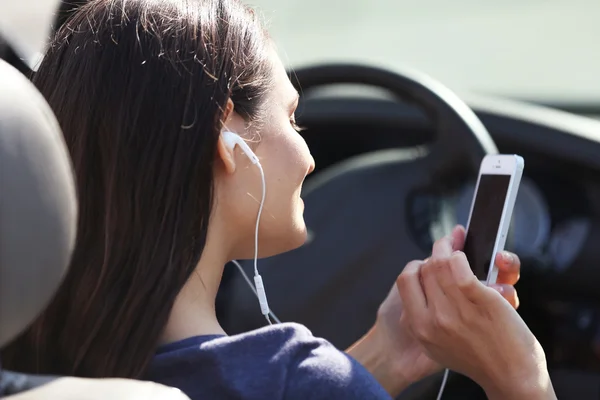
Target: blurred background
540,50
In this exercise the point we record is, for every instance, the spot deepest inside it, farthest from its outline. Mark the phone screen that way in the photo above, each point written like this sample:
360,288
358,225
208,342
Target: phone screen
485,221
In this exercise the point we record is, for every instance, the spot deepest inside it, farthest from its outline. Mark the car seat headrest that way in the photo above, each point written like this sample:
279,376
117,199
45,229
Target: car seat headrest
38,208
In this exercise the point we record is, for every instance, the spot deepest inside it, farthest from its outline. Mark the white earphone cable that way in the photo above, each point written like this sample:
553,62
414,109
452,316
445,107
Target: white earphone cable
258,288
258,282
249,282
260,209
231,139
443,385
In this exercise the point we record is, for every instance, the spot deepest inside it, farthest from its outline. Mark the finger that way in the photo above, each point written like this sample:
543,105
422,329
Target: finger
458,237
433,291
442,248
509,293
509,268
465,280
448,312
449,285
410,290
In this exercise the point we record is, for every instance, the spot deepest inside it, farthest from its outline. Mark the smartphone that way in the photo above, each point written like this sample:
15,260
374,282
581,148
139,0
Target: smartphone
491,212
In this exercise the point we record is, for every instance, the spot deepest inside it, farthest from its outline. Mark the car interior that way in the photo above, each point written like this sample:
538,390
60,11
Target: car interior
396,169
397,154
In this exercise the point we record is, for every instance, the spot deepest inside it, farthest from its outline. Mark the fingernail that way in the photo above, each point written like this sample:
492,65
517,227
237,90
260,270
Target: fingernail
507,257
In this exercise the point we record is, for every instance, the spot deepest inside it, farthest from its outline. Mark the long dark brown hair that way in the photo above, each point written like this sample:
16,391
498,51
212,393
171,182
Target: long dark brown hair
139,88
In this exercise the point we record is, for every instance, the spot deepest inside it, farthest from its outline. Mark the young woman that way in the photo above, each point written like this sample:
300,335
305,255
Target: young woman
143,90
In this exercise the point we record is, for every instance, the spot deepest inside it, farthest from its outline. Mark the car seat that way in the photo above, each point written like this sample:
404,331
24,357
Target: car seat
38,215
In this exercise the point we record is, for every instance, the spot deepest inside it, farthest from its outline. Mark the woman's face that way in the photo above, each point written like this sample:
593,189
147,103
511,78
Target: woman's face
286,161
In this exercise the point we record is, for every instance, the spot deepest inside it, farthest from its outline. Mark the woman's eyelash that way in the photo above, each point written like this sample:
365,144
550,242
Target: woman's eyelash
296,127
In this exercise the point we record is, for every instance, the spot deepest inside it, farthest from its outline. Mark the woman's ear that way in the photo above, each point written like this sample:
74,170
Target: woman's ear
227,113
225,153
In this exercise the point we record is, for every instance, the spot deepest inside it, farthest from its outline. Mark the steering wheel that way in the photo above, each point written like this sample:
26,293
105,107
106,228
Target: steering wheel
359,214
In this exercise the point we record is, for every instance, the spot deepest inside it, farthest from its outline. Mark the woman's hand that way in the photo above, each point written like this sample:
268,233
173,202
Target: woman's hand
470,328
391,353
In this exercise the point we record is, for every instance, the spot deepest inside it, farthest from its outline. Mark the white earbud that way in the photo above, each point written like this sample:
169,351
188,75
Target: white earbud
232,139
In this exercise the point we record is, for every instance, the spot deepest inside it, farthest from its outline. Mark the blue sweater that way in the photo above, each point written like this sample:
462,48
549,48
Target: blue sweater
277,362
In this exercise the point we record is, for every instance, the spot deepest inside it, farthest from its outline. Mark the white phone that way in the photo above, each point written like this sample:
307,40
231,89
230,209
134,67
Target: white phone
491,212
